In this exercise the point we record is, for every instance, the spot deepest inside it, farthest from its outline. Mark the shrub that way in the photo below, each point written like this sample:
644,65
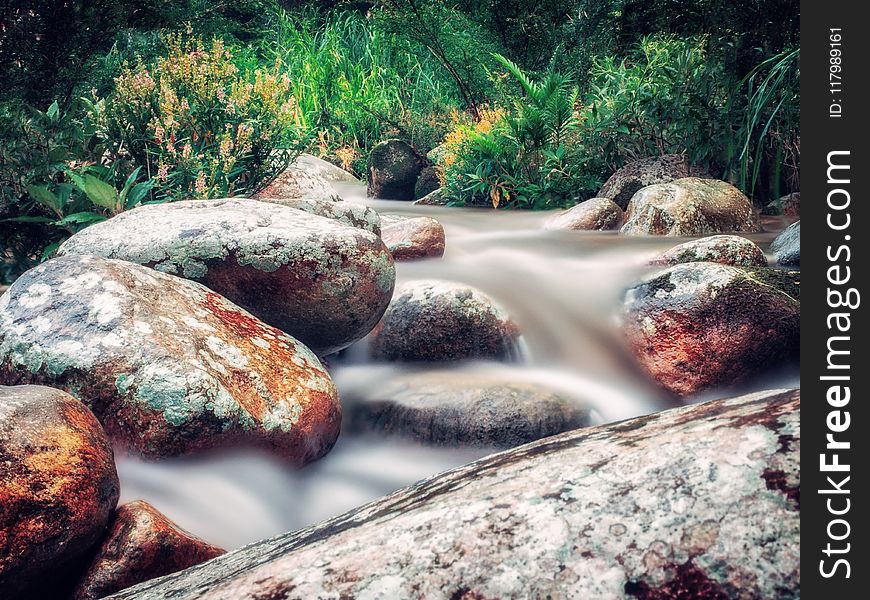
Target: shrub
201,127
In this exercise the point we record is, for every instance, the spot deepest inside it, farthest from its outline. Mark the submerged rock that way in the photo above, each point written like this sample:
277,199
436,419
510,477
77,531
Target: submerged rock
412,238
427,183
723,249
786,247
455,408
141,544
701,501
323,169
58,487
627,180
434,320
699,326
393,171
322,282
168,366
688,207
593,214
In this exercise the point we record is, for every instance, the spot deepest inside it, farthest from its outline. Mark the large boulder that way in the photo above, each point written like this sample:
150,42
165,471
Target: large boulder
427,182
322,282
689,207
393,169
593,214
168,366
697,502
412,238
323,169
449,408
627,180
346,213
58,488
786,247
141,544
724,249
434,320
699,326
299,183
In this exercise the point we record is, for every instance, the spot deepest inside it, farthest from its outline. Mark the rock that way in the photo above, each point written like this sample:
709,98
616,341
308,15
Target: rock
448,408
788,206
786,247
593,214
688,207
723,249
346,213
434,320
436,198
393,168
141,544
437,154
412,238
427,183
58,487
324,169
626,181
698,326
323,283
298,183
696,502
168,366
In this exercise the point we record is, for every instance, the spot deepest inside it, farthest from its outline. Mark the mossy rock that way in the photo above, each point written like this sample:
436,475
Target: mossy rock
393,170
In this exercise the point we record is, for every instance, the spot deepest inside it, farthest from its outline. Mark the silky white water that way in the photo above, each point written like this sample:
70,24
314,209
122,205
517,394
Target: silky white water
563,289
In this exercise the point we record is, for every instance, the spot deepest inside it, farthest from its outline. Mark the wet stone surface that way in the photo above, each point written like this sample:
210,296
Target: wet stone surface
723,249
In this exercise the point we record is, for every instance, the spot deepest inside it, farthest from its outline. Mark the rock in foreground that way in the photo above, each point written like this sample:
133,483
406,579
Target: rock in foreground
141,544
456,408
626,181
168,366
58,487
786,247
393,171
412,238
698,502
700,326
600,214
723,249
434,320
689,207
321,282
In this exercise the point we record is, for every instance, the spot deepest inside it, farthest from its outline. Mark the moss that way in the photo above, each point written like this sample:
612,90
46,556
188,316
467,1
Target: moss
788,282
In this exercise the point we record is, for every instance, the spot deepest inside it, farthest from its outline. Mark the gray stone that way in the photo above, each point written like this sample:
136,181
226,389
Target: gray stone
593,214
689,207
393,169
167,366
298,183
324,283
436,198
786,247
434,320
626,181
427,183
324,169
412,238
701,501
724,249
456,408
346,213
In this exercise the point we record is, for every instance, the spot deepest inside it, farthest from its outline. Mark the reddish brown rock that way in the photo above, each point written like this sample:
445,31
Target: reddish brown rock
433,320
412,238
626,181
58,487
322,282
141,544
690,207
699,326
168,366
723,249
594,214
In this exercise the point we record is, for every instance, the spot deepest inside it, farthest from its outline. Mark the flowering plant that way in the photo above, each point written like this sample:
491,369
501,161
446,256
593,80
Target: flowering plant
201,127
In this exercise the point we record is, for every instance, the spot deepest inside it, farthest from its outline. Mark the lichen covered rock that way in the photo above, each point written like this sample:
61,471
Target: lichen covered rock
434,320
168,366
626,181
141,544
427,182
697,502
786,247
699,326
324,283
58,487
723,249
594,214
323,169
393,169
455,408
296,183
346,213
412,238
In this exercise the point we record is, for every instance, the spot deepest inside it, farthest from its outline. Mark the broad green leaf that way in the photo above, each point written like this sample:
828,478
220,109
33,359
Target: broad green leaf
80,217
53,111
138,193
99,192
44,196
28,220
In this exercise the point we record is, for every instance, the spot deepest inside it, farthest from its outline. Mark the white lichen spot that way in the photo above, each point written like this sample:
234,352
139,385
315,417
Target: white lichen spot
34,296
231,354
143,328
76,285
261,343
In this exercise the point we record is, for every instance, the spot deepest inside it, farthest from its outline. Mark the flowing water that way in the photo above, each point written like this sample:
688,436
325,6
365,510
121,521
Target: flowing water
563,289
